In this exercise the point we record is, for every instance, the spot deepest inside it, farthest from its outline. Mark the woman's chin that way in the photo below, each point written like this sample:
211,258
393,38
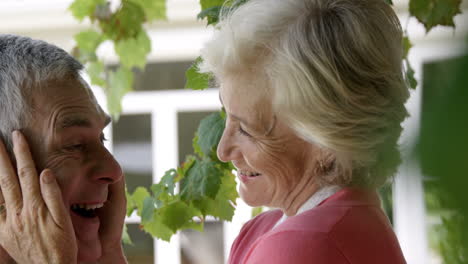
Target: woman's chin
89,251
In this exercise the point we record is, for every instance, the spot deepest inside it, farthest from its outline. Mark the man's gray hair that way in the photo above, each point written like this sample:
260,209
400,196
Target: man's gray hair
26,65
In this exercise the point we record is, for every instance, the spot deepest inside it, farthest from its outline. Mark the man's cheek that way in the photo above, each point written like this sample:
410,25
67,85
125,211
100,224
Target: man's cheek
64,170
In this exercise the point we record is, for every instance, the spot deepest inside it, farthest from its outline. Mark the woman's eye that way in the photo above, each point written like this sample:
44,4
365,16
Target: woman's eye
243,132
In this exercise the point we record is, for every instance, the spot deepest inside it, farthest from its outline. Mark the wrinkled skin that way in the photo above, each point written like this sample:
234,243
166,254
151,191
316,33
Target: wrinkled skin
66,137
258,142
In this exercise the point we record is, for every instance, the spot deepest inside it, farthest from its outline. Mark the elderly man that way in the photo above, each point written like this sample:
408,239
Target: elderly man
73,212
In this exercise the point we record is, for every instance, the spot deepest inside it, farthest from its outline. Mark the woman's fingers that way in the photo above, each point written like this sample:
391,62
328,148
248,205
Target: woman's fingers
27,173
52,196
9,183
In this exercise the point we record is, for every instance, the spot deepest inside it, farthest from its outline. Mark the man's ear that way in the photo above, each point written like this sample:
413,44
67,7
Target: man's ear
5,258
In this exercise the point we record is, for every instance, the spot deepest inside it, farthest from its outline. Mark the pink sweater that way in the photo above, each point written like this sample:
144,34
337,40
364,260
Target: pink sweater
347,228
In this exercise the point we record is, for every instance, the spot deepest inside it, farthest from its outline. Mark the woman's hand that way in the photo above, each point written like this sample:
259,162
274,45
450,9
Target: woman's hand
35,226
112,217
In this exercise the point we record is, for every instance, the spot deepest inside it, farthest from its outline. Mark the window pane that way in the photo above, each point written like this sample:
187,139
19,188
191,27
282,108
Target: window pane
141,252
209,245
132,149
162,76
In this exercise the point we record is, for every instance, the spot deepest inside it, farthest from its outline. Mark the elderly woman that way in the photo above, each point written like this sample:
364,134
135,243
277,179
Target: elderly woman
314,96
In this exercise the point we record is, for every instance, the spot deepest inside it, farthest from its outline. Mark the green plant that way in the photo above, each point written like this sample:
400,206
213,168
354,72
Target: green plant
207,186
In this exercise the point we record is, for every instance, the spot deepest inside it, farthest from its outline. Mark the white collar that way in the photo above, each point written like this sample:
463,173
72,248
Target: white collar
313,201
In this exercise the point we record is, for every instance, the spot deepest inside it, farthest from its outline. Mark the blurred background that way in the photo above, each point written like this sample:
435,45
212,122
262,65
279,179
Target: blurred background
155,130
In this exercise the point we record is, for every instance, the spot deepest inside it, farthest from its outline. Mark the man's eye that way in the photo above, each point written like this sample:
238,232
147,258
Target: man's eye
75,147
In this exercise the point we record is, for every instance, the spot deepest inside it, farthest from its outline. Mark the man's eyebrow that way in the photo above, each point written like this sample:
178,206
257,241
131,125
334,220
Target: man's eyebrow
73,121
77,121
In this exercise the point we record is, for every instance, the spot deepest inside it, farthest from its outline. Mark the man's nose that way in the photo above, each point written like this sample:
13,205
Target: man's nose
106,169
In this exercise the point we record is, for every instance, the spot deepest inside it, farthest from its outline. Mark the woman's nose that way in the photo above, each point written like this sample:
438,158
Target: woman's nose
226,148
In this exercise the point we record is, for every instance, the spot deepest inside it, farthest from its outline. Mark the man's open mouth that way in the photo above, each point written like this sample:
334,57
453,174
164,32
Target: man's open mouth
86,210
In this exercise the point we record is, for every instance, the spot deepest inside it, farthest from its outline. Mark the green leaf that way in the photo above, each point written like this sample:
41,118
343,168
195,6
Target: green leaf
222,206
125,236
209,132
95,70
256,211
205,4
157,228
138,197
120,83
197,226
412,82
196,146
203,179
133,51
211,14
147,210
88,40
195,79
154,9
407,45
390,2
130,203
435,12
125,23
177,214
83,8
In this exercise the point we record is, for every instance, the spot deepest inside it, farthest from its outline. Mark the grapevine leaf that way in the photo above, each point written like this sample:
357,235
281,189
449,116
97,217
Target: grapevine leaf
256,211
130,203
205,4
120,83
177,214
83,8
221,207
195,79
130,17
198,226
407,45
154,9
203,179
228,187
390,2
95,70
126,237
103,11
413,83
88,40
138,197
196,146
133,51
148,209
168,180
435,12
210,131
186,166
157,228
211,14
125,23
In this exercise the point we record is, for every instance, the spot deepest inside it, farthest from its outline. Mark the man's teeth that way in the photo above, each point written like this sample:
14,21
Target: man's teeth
87,206
251,174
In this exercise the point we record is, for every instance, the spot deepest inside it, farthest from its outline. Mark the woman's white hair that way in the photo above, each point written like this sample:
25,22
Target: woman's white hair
335,71
26,65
